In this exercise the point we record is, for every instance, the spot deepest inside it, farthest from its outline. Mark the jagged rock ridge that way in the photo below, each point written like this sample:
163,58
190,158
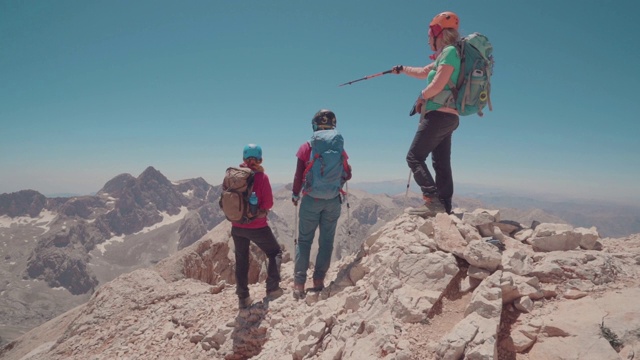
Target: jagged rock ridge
25,202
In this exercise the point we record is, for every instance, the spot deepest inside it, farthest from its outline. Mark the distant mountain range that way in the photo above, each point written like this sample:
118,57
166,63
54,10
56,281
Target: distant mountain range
448,287
58,250
611,219
65,247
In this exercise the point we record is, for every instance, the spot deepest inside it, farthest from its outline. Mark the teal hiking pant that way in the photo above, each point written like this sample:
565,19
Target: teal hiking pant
314,213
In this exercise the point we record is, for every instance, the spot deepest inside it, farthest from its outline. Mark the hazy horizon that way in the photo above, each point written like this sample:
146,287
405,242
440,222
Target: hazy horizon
399,186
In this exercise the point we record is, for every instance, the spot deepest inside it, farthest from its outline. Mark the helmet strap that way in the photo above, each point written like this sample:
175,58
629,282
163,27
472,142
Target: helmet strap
434,32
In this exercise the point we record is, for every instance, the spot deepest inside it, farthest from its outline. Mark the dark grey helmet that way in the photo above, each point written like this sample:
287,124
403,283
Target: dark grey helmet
324,120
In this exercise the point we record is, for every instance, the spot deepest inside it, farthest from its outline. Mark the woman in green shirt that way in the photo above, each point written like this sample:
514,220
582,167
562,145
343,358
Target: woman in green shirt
438,116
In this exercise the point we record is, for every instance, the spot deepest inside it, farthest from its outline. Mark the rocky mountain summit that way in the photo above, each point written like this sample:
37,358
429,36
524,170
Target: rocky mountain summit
124,206
468,285
25,202
57,251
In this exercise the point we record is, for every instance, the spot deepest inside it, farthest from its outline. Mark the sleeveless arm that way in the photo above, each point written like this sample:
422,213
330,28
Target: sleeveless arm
418,72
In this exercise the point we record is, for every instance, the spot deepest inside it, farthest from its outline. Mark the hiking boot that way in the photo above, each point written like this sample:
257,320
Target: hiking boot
244,303
298,291
432,206
497,243
274,294
447,205
318,285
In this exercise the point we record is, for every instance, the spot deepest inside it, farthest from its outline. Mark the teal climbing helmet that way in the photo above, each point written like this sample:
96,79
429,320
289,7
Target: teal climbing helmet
252,150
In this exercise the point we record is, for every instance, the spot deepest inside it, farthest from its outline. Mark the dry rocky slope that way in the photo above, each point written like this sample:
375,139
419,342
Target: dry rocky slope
58,251
464,286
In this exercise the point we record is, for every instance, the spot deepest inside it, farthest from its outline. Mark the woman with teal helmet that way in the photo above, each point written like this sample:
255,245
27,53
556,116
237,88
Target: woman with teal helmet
256,231
252,151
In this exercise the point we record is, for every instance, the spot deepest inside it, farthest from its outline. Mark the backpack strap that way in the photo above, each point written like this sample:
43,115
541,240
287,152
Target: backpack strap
449,97
345,166
250,181
489,95
247,193
305,190
454,94
454,87
316,156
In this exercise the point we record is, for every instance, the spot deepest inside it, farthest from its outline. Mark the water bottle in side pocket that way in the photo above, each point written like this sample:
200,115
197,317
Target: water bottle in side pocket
253,204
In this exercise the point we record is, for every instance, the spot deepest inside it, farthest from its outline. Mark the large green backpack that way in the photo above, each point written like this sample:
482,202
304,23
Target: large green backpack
473,88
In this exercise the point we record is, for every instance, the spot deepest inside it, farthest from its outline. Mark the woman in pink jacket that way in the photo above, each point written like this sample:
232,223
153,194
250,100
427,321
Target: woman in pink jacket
258,232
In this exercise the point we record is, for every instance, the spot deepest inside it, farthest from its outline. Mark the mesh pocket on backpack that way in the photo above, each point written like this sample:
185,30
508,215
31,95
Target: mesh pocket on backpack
477,86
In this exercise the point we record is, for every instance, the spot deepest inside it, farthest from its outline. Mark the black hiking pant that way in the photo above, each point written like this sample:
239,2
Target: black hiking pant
266,241
434,137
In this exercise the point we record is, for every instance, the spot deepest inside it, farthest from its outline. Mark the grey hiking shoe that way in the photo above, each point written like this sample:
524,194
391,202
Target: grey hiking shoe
298,291
318,285
432,206
244,303
497,243
274,294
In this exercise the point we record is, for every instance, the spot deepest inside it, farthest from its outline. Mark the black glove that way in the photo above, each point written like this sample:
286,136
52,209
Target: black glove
397,69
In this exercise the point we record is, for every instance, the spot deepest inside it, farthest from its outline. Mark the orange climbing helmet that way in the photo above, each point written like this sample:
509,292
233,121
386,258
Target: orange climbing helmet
446,20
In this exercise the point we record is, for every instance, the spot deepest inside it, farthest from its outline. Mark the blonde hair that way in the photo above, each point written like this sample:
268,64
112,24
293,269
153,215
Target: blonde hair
449,37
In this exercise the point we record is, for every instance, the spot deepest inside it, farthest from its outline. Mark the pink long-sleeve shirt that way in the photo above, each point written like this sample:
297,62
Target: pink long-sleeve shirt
262,188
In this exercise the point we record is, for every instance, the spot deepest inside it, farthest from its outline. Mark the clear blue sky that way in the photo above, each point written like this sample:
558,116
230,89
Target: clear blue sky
93,89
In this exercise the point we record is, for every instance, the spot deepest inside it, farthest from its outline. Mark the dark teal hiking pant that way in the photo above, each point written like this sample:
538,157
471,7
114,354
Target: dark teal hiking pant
434,137
314,214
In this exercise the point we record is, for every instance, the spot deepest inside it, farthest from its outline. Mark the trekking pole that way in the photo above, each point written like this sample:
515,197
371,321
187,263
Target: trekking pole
371,76
295,227
406,194
346,197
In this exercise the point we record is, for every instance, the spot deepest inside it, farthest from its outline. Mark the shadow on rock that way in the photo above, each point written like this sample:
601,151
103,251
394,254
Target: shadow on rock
249,334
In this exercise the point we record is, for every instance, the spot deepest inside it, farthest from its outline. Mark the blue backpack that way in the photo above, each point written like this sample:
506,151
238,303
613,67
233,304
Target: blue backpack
473,88
326,170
